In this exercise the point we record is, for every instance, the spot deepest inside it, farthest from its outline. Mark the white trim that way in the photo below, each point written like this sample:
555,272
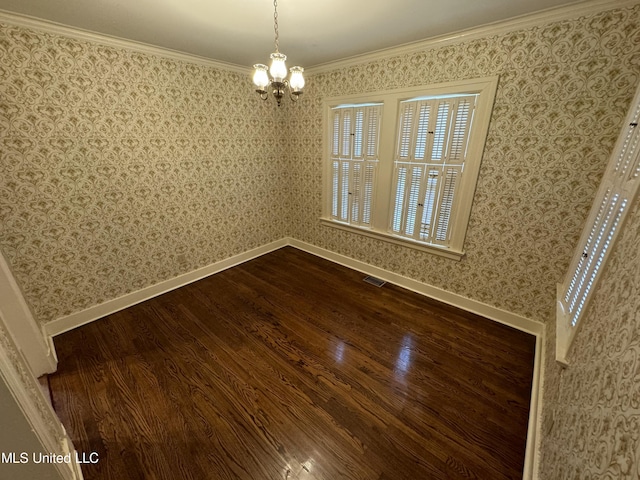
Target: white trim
47,26
24,398
385,237
501,316
518,23
534,430
64,324
30,338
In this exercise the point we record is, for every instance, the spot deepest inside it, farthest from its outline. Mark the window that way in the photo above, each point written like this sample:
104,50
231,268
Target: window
402,165
430,153
617,190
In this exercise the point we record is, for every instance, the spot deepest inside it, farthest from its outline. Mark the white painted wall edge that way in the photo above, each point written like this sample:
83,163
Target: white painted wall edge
29,337
64,324
27,394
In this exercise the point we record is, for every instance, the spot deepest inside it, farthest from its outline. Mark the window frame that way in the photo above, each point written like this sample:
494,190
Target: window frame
382,201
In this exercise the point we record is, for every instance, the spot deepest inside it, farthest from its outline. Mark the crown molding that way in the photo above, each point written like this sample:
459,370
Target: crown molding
45,26
581,8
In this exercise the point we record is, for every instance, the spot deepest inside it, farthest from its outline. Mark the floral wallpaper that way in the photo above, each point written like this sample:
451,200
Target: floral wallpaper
592,408
119,169
563,93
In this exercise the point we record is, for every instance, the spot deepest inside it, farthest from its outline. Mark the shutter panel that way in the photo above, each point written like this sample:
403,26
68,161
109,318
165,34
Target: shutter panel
335,167
401,183
368,192
599,240
415,183
431,192
358,133
355,191
443,231
406,129
345,151
354,147
440,131
423,129
373,132
623,166
335,134
461,124
344,191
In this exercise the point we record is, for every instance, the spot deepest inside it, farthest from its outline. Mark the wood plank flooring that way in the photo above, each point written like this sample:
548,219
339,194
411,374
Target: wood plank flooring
291,367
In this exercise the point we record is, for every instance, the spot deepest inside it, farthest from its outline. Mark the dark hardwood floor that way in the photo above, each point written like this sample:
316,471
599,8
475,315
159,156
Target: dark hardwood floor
291,367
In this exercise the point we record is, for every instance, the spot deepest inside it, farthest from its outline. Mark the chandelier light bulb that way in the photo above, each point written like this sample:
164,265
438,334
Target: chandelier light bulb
260,77
296,82
278,68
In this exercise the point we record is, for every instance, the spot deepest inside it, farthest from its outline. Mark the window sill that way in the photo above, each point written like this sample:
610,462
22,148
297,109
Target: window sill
386,237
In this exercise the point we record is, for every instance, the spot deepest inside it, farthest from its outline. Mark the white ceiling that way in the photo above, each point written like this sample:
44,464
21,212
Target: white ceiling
312,32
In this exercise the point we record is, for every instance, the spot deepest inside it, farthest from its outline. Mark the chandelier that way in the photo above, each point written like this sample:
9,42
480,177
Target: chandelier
275,78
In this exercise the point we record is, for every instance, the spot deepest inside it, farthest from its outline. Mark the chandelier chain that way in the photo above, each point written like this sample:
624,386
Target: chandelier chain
275,22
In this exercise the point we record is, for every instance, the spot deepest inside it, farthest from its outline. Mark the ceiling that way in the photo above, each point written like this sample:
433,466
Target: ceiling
240,32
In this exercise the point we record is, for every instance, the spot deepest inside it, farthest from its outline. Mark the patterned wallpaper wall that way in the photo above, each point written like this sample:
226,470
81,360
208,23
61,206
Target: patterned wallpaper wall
592,409
563,93
113,163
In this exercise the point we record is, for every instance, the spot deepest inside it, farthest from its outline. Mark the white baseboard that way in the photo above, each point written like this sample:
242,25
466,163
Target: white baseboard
64,324
518,322
502,316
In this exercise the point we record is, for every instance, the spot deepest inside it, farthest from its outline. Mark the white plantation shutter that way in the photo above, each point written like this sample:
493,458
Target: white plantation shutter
354,149
618,189
433,136
367,198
